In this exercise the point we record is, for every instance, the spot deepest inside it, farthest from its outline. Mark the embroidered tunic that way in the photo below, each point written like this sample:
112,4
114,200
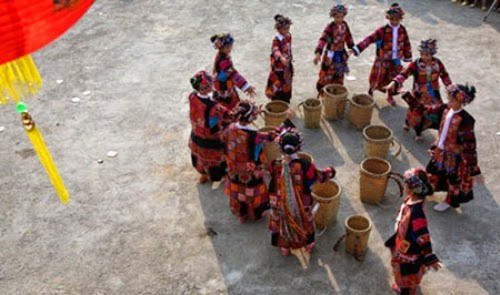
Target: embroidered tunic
226,80
333,40
291,223
207,150
388,55
247,192
279,83
455,162
426,83
411,248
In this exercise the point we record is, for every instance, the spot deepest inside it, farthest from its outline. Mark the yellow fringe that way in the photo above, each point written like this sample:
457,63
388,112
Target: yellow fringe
44,155
19,79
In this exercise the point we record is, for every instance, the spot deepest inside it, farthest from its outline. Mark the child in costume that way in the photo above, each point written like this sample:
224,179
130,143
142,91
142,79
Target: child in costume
291,222
335,37
411,250
226,77
206,115
453,161
426,72
245,187
393,45
279,83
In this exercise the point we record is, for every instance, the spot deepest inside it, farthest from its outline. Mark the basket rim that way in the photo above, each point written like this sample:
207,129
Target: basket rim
356,230
312,107
315,196
389,138
362,169
362,105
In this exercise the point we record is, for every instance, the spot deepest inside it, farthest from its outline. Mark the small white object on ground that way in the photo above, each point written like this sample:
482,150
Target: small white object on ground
498,133
112,154
350,78
59,81
2,129
86,92
75,99
100,161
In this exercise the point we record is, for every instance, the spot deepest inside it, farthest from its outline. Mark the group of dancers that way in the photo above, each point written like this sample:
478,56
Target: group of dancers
224,145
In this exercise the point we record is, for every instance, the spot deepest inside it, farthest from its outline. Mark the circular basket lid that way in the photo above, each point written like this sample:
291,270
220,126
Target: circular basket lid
28,25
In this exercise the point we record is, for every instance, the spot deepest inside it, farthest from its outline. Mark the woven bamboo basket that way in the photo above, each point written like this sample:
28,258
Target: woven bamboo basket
335,96
357,229
360,110
271,149
312,112
275,112
327,194
373,178
378,141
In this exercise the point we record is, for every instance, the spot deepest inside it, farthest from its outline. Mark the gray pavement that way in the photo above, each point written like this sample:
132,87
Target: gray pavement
138,223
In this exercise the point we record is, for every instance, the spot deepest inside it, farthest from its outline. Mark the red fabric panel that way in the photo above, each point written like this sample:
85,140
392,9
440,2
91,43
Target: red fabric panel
28,25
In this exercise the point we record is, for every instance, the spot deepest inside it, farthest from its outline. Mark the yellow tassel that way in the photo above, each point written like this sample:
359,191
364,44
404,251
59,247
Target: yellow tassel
19,79
44,155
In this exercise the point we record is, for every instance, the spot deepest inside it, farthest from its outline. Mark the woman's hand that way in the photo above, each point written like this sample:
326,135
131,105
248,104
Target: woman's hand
316,59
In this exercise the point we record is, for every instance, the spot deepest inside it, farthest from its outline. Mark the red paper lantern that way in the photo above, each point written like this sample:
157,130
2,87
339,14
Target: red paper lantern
28,25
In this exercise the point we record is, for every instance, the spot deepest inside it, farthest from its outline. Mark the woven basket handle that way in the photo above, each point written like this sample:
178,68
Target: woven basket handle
398,179
395,141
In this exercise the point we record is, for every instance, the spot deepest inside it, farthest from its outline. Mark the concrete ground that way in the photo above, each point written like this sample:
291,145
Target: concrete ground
140,223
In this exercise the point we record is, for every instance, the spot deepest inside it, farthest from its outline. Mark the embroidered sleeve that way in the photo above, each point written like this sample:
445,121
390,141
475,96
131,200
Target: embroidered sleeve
468,140
407,55
443,73
374,37
422,237
326,37
410,70
348,39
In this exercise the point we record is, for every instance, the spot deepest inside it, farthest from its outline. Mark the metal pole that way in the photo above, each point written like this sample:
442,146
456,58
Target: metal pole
491,8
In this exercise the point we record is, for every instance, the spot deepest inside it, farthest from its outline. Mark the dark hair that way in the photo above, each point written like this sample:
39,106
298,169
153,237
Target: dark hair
277,17
213,38
290,142
469,90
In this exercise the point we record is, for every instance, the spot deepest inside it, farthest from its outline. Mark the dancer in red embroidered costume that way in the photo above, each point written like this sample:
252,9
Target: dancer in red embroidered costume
393,45
226,77
245,187
279,83
453,163
207,116
335,37
291,222
426,72
411,250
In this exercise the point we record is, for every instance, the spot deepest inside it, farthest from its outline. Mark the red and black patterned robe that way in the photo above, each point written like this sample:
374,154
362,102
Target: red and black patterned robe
279,83
385,67
291,222
333,40
207,149
426,89
452,167
247,192
226,80
411,248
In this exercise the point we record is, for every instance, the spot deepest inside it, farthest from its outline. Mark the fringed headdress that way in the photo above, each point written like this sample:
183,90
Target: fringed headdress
281,21
429,46
221,40
465,94
246,111
417,180
338,9
201,78
395,11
